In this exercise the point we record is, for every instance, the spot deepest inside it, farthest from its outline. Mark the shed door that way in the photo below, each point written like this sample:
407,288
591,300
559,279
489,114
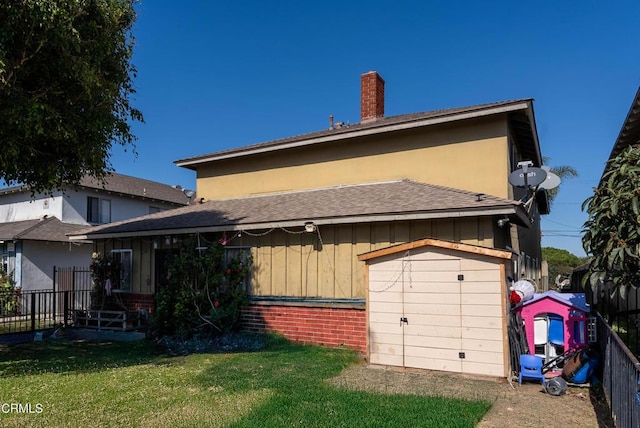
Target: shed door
436,311
432,307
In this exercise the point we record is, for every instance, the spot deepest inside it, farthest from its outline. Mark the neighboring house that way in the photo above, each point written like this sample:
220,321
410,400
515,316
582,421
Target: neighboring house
630,131
307,207
33,230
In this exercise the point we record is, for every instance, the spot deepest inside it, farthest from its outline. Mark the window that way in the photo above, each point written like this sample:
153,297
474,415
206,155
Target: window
98,210
153,210
123,263
7,258
244,253
513,154
523,265
4,264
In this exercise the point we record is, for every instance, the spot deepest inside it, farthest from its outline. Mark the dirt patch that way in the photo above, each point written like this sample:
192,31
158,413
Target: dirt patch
513,405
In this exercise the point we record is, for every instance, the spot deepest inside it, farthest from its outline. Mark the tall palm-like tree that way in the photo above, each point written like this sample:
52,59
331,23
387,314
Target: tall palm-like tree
565,172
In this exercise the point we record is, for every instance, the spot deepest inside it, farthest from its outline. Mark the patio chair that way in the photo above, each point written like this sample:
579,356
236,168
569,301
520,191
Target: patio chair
531,368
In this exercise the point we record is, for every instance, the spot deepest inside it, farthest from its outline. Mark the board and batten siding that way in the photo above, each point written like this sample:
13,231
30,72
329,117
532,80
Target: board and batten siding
323,264
326,264
445,316
142,275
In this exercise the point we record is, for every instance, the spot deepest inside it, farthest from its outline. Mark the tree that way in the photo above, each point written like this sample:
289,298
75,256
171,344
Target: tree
561,262
612,230
565,172
65,83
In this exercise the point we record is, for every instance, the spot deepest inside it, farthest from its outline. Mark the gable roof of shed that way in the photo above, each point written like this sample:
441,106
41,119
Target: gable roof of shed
388,201
520,115
437,243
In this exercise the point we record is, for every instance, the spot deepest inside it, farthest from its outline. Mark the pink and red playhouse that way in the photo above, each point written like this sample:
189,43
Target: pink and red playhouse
554,323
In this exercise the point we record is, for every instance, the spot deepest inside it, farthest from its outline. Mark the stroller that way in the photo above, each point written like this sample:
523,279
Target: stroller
578,366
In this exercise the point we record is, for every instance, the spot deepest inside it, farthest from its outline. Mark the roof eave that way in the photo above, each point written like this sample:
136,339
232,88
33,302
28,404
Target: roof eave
191,163
631,121
534,131
513,211
132,195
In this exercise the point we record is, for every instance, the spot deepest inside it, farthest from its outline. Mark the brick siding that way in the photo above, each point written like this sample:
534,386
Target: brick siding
332,327
137,301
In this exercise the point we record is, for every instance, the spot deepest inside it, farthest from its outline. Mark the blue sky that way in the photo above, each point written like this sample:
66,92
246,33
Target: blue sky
217,75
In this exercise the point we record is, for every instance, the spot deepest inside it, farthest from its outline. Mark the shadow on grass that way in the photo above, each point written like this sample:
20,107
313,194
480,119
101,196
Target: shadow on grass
296,376
63,357
290,377
281,364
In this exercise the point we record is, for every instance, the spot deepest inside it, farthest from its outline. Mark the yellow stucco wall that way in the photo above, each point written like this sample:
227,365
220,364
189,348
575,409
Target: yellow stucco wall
470,155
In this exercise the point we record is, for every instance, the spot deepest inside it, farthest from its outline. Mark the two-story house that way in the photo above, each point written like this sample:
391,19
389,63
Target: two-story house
316,211
33,230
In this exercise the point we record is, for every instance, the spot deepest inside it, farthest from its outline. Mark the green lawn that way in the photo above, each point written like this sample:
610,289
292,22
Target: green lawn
129,384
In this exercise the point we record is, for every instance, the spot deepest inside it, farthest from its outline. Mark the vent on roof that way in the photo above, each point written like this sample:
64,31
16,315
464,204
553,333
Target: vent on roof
336,125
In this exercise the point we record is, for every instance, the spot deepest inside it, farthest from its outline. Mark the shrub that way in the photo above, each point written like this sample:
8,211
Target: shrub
204,292
9,295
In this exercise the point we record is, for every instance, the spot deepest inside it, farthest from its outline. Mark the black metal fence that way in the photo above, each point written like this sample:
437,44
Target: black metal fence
71,278
24,311
619,343
621,314
620,377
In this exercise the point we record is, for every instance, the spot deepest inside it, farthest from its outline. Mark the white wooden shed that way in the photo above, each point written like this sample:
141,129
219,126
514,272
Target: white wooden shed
439,305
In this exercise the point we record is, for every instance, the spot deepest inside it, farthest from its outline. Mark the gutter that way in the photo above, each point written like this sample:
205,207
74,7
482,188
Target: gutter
517,215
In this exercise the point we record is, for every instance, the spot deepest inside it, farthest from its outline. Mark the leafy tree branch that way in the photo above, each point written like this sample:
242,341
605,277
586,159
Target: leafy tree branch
66,80
612,230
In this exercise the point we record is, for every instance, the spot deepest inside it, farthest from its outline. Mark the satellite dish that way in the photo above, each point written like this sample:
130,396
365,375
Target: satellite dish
535,176
552,181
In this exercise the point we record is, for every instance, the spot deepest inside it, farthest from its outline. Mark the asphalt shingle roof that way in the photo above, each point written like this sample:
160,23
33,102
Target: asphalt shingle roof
126,185
48,229
379,123
329,205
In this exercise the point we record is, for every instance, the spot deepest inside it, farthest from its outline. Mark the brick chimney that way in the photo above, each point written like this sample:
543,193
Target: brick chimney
371,97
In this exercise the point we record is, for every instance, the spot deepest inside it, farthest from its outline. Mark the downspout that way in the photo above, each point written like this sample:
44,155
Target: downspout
17,264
